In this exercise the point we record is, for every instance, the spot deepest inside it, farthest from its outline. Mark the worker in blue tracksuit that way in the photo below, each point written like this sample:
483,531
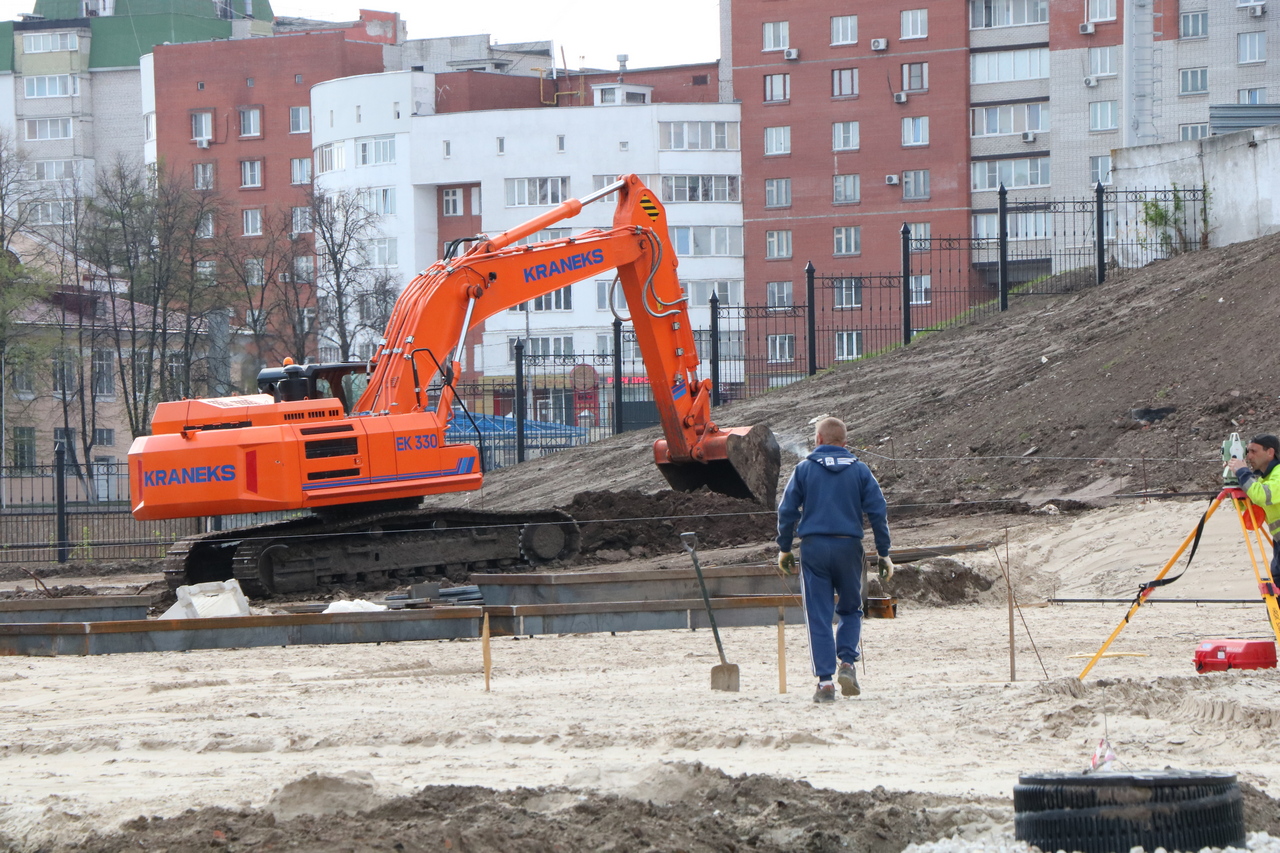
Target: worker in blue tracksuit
828,494
1259,476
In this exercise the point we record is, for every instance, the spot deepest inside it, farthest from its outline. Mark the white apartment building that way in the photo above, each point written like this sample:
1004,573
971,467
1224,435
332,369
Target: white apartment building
514,164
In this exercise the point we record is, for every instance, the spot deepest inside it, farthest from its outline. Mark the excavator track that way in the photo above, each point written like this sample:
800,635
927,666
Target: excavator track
307,553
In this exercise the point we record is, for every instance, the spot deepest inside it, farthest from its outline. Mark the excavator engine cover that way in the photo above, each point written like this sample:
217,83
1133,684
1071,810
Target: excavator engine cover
741,462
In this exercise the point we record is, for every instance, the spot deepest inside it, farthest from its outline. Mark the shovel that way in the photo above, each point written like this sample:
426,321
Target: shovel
724,675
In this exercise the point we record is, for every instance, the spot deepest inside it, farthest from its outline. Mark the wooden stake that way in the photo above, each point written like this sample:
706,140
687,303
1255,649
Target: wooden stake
782,650
1008,582
488,659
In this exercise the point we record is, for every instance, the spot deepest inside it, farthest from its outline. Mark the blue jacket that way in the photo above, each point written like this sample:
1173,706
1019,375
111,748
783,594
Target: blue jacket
828,494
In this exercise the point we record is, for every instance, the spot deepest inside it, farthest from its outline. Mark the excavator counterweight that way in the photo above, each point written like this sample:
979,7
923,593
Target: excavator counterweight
360,465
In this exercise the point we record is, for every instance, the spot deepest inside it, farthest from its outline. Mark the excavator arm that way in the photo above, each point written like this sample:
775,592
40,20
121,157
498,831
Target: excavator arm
281,452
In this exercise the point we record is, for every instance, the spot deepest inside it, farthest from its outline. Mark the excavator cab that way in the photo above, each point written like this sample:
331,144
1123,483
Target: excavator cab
292,382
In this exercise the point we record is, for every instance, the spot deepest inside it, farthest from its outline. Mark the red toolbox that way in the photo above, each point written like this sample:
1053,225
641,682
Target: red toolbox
1219,655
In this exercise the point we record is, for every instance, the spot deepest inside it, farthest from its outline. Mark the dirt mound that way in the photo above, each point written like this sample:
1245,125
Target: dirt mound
22,594
80,570
714,812
939,581
631,524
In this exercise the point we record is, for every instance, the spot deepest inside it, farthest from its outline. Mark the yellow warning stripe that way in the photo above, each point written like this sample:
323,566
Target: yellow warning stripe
649,206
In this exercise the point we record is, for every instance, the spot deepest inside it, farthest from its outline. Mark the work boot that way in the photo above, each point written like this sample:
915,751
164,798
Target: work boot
848,678
825,693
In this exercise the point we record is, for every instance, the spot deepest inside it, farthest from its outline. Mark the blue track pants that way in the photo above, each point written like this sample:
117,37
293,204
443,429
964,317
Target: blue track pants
831,566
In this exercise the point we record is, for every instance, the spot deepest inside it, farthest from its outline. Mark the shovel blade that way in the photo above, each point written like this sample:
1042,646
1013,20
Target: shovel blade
724,676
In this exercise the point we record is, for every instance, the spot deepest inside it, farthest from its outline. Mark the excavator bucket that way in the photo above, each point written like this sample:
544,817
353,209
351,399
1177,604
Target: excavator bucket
741,462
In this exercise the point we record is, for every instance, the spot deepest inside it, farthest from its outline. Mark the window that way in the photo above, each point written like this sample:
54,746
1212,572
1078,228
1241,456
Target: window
1036,225
560,143
777,192
301,220
844,82
1189,132
48,128
920,235
846,189
915,23
54,170
1193,81
915,130
451,202
915,76
619,298
846,240
609,96
778,294
1023,172
698,135
1193,25
528,192
1008,119
204,226
848,346
782,348
1102,10
846,292
49,212
921,289
103,374
777,87
543,346
448,148
707,240
727,292
1251,96
1102,61
104,437
844,29
299,119
777,244
502,144
557,300
375,151
1251,47
383,251
300,170
777,140
775,35
207,271
677,188
202,125
304,269
250,173
149,127
49,42
1003,66
379,200
255,272
984,14
844,136
915,183
202,176
53,86
250,121
64,372
330,158
1104,115
24,445
1100,170
252,222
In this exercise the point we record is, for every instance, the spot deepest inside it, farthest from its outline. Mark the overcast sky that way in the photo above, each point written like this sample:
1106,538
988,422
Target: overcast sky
591,33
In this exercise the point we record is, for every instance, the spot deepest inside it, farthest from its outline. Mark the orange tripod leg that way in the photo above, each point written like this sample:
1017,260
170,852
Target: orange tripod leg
1142,597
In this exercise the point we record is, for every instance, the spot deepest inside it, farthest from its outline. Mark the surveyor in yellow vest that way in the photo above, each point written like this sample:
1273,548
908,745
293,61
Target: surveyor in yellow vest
1259,476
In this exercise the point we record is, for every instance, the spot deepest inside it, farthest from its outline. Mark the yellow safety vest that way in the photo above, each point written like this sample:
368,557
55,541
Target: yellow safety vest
1264,492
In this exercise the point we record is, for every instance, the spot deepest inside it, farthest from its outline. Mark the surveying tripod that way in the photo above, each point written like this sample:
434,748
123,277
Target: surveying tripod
1251,518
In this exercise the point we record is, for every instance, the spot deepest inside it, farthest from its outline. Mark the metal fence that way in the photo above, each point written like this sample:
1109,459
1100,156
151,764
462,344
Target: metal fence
1025,248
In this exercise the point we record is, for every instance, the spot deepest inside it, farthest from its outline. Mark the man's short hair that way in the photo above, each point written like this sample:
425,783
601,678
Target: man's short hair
1267,440
832,431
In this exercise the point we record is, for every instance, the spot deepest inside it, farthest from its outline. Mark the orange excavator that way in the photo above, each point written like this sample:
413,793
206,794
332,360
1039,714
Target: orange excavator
363,467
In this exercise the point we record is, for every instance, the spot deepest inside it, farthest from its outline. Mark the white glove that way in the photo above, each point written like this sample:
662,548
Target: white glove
885,567
786,563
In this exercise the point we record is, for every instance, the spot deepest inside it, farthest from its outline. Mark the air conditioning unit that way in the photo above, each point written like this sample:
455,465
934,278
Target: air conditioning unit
284,276
1028,136
1086,29
791,53
202,143
899,97
891,180
1091,81
879,44
1257,11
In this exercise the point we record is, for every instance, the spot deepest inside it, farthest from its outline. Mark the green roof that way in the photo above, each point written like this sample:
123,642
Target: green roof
61,10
